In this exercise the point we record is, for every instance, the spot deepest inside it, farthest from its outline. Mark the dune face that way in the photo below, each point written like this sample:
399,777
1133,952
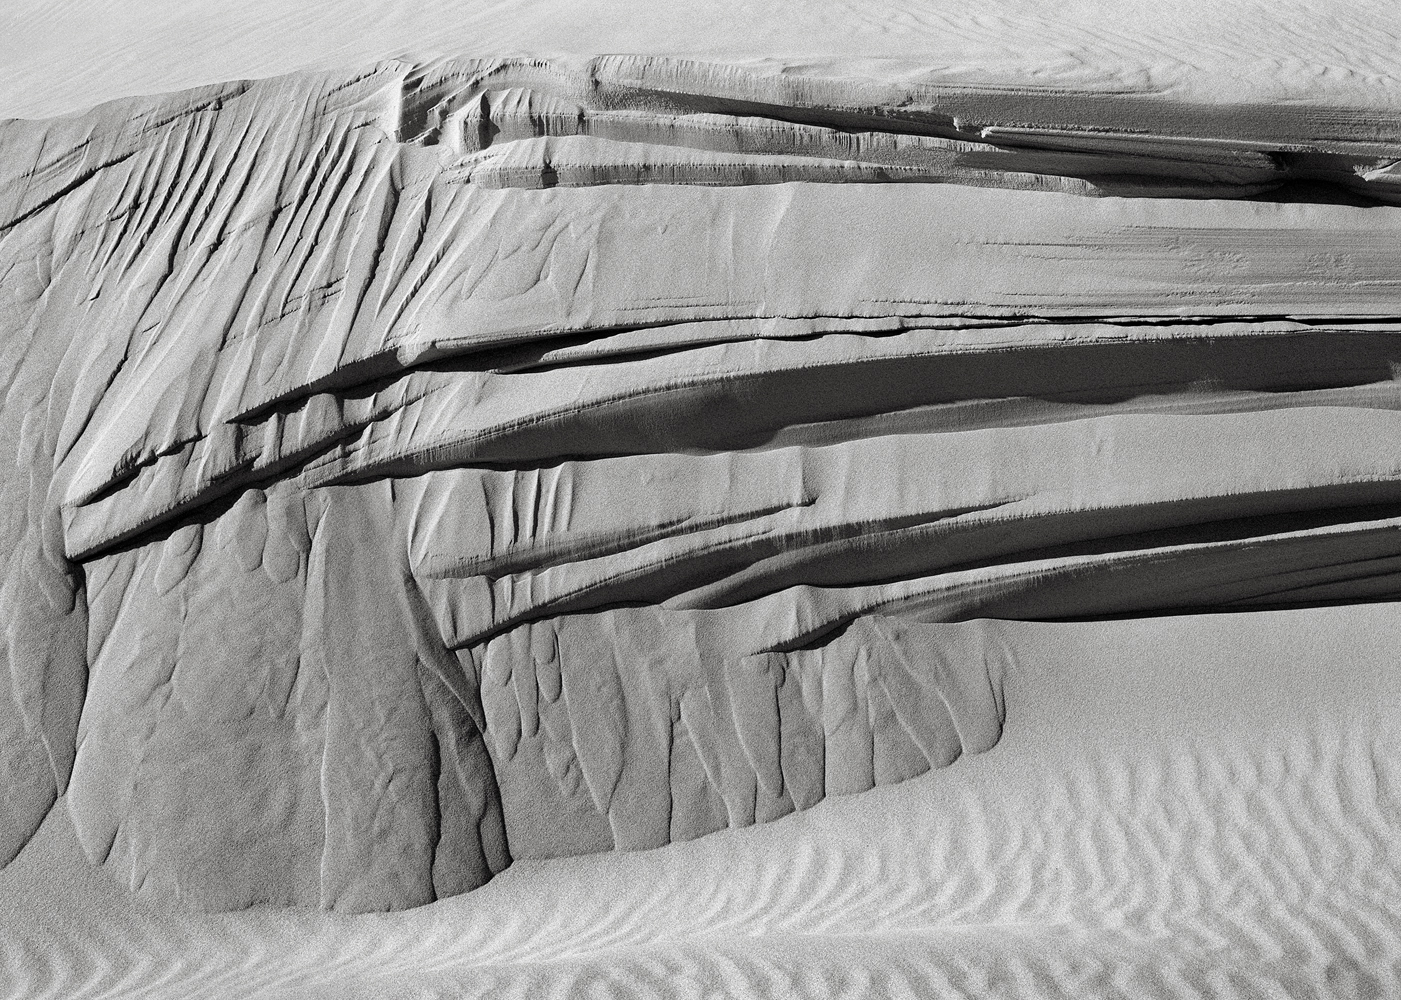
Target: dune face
459,462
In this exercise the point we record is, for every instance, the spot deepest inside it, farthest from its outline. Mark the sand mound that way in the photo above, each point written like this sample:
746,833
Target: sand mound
724,520
638,493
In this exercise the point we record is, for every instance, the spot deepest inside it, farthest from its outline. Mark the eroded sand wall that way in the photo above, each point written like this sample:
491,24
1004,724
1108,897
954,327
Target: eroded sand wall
463,461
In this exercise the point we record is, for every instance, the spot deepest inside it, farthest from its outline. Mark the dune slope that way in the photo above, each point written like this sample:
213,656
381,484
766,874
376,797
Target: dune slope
1179,807
470,461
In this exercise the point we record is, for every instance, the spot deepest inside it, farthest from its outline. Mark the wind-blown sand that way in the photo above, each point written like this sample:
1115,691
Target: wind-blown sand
1180,807
733,518
59,58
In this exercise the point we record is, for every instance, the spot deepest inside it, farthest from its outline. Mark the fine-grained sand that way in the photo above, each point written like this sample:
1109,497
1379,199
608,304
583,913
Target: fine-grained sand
1180,807
56,58
804,437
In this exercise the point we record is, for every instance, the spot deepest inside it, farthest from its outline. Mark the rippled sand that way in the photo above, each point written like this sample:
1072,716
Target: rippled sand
1179,807
57,57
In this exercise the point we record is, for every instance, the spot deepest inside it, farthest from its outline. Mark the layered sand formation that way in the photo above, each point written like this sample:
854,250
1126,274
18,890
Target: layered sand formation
471,461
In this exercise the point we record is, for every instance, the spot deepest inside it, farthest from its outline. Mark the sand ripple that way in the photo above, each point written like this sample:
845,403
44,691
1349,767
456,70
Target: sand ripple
1209,842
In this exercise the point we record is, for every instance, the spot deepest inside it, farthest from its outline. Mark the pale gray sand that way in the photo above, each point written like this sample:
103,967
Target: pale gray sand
58,58
446,463
1181,807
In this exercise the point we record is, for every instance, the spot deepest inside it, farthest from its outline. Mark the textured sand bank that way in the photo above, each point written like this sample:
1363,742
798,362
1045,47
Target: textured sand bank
430,471
421,524
1180,807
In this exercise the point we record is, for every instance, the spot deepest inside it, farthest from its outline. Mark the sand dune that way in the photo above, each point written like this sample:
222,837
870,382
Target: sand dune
400,419
886,503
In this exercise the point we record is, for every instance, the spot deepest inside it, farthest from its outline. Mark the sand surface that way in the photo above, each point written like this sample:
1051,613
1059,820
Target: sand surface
751,500
1181,807
58,58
